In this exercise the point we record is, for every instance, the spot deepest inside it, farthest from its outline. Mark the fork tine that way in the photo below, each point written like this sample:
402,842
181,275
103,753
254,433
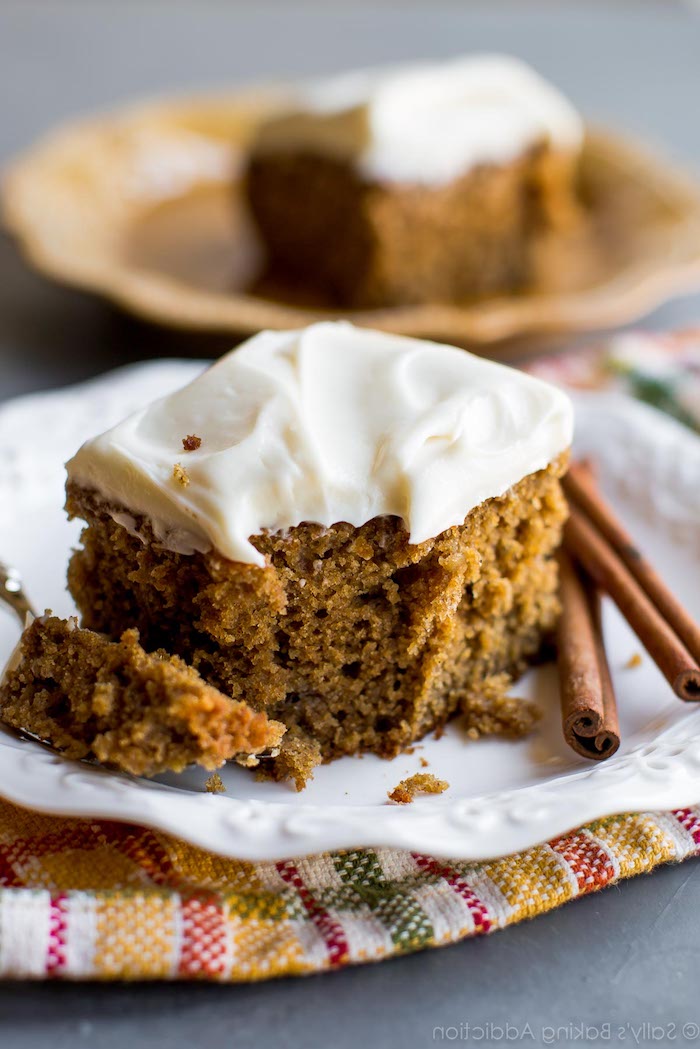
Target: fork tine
12,593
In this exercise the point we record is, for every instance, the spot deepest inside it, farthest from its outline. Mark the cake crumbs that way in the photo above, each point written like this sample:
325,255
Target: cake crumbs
635,660
215,784
424,763
181,475
419,783
191,443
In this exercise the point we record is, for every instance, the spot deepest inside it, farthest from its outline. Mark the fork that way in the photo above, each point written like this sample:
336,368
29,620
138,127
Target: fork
12,593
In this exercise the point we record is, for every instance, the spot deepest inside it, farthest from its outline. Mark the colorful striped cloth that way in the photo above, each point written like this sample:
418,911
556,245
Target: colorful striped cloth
85,899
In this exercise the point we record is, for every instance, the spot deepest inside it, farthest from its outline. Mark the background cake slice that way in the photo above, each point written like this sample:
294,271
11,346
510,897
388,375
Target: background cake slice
423,183
360,544
110,700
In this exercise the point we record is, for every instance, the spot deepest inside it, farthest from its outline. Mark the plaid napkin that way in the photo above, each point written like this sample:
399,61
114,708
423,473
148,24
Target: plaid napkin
87,899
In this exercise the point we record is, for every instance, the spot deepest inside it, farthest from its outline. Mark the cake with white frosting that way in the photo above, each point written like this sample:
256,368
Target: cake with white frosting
425,183
351,531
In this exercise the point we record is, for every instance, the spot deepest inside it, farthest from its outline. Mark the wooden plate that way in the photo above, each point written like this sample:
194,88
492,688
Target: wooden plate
143,206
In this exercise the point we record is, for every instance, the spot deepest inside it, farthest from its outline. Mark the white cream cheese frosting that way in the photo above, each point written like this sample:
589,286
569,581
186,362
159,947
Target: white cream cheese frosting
326,424
430,123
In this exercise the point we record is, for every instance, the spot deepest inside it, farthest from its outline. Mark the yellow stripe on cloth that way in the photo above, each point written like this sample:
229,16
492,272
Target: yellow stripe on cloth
93,899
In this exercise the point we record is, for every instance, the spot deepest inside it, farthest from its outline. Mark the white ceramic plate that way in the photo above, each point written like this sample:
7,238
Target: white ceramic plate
503,796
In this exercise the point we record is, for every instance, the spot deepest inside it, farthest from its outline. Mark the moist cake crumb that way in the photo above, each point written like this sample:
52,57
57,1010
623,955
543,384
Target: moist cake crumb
493,712
420,783
180,474
215,784
424,763
191,443
110,700
296,761
635,660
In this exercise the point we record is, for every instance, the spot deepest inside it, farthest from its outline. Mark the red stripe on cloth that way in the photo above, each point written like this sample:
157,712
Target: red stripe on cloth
142,847
58,931
137,843
15,854
477,908
203,950
690,822
587,859
330,929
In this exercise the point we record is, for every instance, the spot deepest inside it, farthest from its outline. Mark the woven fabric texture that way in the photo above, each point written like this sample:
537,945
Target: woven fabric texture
87,899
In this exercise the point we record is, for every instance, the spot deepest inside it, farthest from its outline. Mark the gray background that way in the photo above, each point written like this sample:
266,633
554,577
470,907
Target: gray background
629,955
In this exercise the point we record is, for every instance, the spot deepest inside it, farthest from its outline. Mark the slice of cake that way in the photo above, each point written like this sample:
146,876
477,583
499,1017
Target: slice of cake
423,183
110,700
351,531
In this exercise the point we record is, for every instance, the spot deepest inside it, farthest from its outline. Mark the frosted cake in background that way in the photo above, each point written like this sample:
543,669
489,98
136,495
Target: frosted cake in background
415,184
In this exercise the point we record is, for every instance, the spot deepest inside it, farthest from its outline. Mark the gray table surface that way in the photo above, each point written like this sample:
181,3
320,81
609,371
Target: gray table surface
627,956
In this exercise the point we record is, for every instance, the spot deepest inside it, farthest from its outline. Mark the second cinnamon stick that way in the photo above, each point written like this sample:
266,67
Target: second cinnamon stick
590,549
580,487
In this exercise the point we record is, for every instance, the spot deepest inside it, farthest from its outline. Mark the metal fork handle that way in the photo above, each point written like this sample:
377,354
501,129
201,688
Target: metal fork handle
12,593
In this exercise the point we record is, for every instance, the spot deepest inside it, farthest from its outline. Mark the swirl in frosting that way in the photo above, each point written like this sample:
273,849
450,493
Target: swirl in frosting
326,424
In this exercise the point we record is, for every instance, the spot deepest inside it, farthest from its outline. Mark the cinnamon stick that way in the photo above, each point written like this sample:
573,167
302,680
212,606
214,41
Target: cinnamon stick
590,548
579,485
589,711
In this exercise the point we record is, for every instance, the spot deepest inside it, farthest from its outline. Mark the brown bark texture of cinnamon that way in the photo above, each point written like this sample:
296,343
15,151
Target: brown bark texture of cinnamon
588,707
589,547
581,489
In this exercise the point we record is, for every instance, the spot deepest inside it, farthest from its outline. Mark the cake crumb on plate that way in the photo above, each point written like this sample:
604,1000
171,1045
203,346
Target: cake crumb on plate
419,783
215,784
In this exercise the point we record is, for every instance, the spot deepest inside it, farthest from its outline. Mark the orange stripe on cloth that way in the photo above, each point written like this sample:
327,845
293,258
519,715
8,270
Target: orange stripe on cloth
204,949
588,860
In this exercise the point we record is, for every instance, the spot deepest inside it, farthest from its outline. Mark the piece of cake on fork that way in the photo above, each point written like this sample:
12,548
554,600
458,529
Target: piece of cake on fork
351,531
426,183
110,701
